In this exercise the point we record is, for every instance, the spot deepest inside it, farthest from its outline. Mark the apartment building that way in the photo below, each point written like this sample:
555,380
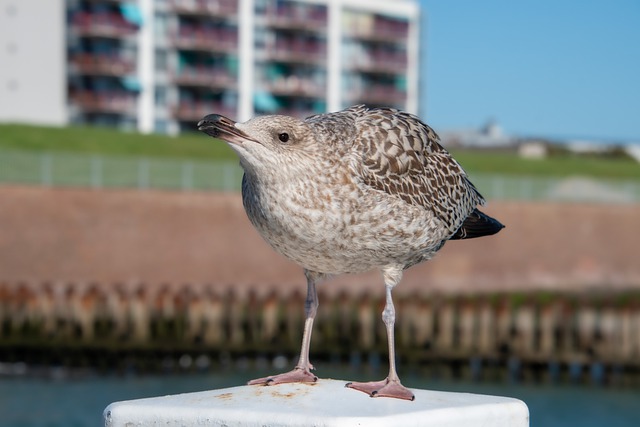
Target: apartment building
159,66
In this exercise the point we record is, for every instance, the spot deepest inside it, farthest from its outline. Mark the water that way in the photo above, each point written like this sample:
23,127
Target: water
61,400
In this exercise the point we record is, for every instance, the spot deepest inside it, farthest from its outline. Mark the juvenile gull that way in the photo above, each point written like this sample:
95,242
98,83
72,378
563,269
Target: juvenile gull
347,192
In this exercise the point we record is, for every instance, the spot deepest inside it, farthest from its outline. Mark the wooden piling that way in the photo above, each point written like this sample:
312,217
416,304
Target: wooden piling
569,330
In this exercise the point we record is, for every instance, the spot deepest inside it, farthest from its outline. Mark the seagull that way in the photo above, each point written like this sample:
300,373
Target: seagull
347,192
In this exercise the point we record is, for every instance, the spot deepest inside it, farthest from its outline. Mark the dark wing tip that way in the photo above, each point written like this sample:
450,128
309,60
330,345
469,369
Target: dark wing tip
477,224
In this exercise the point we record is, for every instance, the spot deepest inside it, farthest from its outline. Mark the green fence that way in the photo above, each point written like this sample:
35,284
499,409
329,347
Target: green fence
84,170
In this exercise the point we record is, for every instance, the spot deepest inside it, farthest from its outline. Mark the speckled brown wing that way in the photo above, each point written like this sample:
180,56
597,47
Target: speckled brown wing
401,156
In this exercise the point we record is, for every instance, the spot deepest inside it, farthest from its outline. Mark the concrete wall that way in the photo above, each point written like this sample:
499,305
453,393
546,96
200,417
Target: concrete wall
32,62
157,238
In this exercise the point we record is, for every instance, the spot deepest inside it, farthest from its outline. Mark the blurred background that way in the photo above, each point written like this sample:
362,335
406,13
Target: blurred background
128,268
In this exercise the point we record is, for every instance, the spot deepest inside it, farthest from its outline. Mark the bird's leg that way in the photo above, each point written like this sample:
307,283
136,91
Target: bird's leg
390,386
302,371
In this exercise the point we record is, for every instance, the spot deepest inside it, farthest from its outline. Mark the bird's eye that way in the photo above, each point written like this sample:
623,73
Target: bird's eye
283,137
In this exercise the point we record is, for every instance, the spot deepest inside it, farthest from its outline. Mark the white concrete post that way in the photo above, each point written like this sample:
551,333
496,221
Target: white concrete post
334,56
325,403
146,71
246,52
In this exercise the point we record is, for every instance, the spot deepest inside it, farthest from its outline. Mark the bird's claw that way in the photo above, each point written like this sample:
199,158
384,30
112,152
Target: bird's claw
384,388
297,375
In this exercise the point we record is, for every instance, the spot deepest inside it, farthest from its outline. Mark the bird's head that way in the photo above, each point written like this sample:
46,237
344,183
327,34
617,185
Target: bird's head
264,141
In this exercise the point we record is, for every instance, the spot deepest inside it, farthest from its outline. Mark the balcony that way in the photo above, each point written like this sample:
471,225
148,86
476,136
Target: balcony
295,87
378,95
282,23
376,29
101,64
297,17
203,76
215,8
380,62
295,51
298,112
193,111
114,2
200,38
376,36
110,25
111,102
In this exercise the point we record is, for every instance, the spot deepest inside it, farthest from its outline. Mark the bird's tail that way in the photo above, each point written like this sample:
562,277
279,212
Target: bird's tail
477,224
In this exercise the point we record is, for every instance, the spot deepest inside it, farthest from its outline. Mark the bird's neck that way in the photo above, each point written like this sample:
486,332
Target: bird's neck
293,185
286,175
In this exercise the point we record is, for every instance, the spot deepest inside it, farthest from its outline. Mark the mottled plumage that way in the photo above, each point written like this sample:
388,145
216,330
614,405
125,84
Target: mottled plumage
349,191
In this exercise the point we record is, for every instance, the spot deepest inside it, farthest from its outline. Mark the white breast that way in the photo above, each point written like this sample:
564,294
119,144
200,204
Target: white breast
341,228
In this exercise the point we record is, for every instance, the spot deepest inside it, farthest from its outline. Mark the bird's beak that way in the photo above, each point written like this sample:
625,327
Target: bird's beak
221,127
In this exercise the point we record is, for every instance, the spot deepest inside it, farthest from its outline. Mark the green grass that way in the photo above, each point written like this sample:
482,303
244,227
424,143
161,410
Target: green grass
558,165
104,141
195,146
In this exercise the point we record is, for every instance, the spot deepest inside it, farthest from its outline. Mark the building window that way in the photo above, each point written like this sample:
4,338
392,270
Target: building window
161,60
160,96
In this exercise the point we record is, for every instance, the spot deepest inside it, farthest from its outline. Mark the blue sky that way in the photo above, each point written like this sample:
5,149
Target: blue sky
560,69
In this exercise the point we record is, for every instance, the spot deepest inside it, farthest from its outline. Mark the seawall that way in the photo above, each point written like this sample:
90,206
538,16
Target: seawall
172,238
